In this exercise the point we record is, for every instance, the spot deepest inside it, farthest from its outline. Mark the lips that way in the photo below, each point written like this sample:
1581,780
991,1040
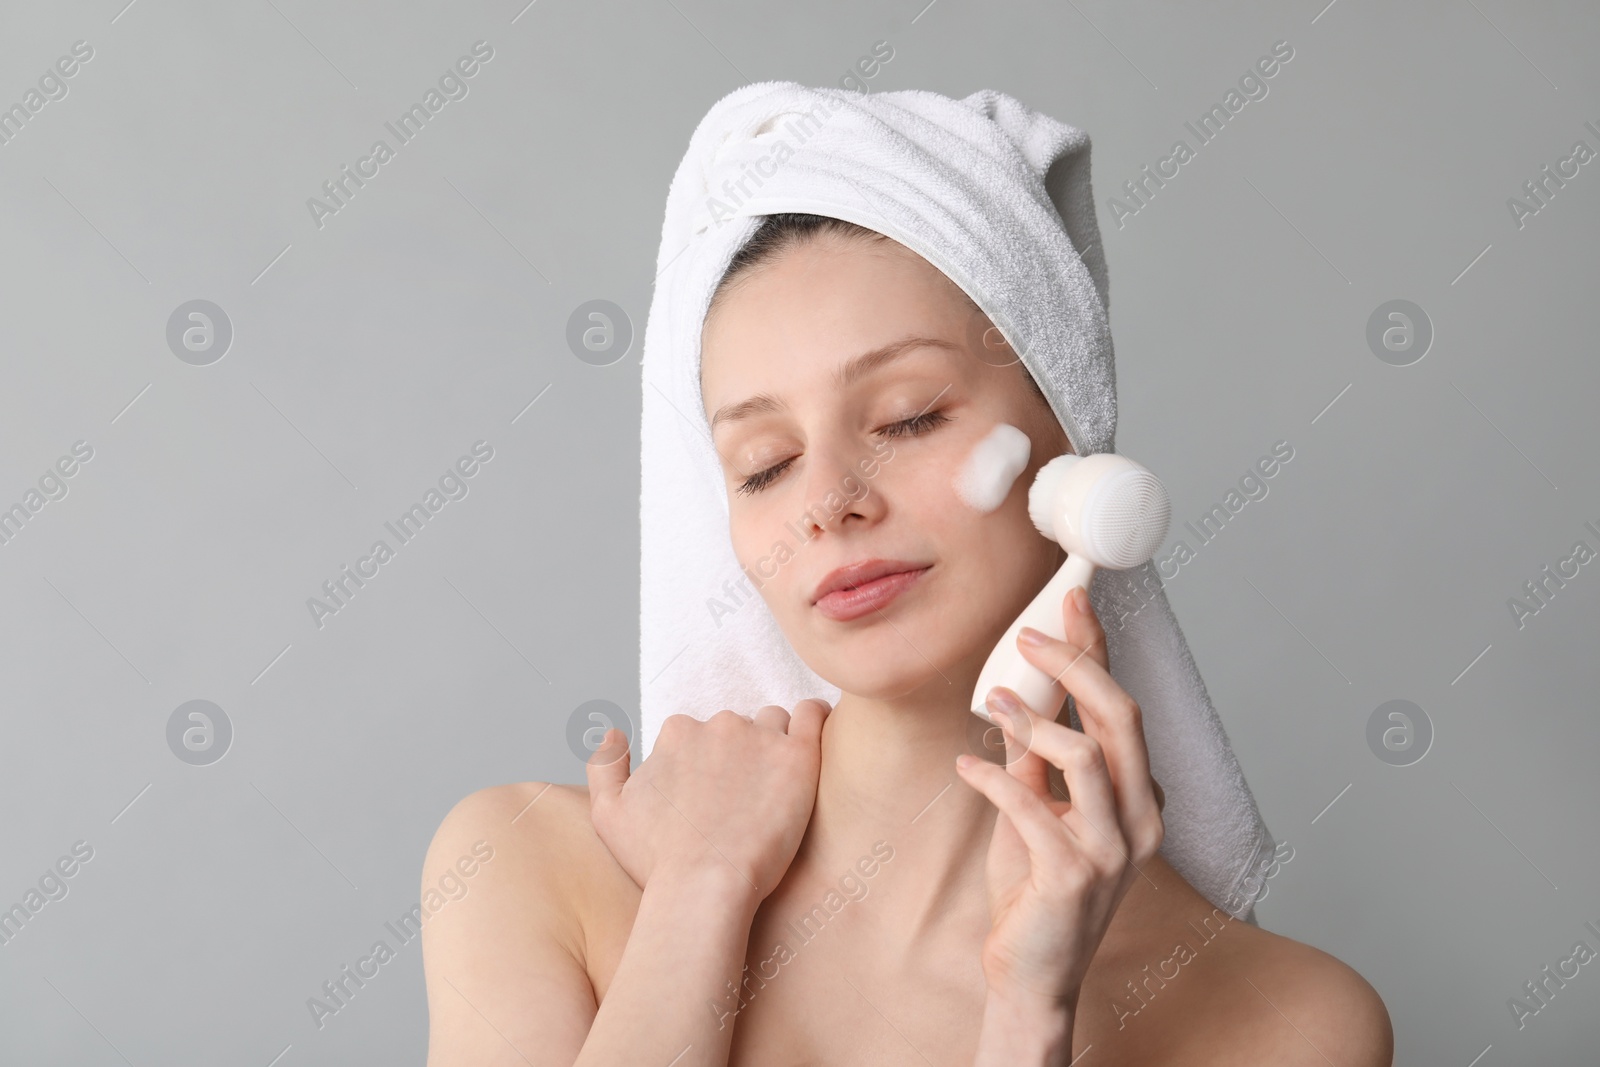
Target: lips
853,591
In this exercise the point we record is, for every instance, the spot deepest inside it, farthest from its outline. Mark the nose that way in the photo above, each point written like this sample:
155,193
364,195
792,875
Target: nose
837,492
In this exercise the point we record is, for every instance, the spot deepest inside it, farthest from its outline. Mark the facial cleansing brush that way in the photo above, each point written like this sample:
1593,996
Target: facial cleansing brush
1106,511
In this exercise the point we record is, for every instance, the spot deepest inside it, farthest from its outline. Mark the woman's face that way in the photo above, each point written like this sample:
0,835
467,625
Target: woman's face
826,466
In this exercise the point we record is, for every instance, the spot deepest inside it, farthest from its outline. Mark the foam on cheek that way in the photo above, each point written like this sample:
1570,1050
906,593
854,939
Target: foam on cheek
992,467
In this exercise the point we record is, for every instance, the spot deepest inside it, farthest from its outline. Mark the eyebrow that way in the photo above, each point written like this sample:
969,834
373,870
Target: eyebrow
856,369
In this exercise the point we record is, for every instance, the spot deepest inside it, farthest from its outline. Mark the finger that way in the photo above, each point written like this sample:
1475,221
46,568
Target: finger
808,718
1026,765
772,717
1082,625
1093,816
1111,717
1040,828
607,766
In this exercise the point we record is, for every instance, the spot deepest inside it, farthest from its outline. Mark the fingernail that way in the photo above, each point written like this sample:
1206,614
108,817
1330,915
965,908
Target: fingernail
1080,600
964,761
1030,636
1003,703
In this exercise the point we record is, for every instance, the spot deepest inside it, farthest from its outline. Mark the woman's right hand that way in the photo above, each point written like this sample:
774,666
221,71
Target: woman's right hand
728,796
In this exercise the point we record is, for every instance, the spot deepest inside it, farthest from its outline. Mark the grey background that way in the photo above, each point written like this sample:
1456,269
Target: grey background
432,310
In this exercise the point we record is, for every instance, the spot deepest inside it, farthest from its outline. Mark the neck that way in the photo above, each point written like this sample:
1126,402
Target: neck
888,774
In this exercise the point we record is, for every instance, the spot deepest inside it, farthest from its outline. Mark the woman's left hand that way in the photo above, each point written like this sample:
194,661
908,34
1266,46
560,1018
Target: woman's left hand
1057,869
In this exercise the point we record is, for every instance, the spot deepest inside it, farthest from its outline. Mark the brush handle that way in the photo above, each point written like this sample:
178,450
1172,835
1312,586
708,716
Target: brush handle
1006,665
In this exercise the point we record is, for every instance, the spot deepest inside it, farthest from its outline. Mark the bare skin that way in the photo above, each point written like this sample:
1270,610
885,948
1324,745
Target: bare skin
538,959
613,920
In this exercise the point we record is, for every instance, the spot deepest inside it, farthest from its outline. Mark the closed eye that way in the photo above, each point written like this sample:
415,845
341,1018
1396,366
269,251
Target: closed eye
912,427
915,427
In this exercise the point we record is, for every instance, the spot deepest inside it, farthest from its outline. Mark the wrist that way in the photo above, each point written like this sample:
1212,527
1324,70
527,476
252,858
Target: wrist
1026,1028
716,884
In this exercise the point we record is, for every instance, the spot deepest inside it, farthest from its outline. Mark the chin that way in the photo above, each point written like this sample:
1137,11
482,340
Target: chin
888,685
888,662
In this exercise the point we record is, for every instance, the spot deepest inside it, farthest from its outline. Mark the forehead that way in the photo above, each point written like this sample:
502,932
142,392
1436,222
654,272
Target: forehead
819,303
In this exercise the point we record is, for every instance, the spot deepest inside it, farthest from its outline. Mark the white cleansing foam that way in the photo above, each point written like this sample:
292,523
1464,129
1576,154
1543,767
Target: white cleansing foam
992,467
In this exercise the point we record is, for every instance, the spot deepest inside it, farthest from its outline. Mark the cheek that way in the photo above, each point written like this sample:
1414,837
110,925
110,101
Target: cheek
759,552
984,549
768,540
976,504
965,478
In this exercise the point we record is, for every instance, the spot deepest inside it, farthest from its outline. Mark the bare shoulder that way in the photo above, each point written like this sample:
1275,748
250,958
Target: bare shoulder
529,825
503,885
1186,982
1291,1003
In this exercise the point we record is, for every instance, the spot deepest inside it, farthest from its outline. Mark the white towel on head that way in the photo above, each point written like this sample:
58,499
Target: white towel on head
998,197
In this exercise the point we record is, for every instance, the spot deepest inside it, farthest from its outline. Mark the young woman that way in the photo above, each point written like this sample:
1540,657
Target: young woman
835,887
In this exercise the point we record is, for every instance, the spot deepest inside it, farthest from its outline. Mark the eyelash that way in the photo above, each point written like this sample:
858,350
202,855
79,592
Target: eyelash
912,427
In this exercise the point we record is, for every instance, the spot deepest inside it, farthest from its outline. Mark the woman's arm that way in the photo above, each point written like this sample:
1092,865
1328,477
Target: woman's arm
505,978
707,826
1058,869
1024,1032
670,1001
